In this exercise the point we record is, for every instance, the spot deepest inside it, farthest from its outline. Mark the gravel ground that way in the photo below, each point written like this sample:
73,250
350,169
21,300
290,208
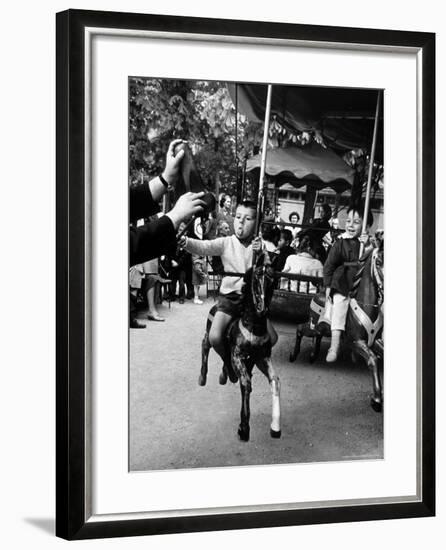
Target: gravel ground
174,423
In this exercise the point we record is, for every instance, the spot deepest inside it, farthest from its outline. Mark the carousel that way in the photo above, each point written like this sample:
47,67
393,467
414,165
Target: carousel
332,123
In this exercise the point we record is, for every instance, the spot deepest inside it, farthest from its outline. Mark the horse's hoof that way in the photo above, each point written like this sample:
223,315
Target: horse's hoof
223,378
243,434
275,434
233,377
292,357
377,406
202,380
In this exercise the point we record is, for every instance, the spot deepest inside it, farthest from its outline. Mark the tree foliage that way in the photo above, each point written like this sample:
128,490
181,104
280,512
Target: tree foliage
198,111
203,113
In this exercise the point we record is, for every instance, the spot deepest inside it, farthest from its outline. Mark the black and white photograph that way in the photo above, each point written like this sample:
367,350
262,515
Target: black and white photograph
256,274
180,183
227,191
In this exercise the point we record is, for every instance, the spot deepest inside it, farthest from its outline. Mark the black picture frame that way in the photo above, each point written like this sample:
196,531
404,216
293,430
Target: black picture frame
72,512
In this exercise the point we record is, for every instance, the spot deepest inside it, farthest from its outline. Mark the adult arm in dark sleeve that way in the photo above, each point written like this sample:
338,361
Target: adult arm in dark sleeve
143,199
158,237
141,203
151,240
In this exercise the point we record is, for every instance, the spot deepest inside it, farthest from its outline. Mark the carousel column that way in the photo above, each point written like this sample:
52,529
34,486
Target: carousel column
310,199
261,196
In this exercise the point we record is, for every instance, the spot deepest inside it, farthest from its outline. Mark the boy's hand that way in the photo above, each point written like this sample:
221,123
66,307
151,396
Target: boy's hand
366,243
257,244
182,243
364,238
327,292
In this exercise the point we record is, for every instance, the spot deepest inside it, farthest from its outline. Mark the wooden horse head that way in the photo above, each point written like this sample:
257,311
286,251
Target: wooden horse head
368,284
259,283
377,268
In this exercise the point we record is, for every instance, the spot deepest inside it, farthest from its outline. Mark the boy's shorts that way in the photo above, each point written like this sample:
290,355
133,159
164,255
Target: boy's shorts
231,304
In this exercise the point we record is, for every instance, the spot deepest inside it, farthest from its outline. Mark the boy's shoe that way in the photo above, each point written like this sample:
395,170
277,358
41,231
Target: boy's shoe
333,350
198,301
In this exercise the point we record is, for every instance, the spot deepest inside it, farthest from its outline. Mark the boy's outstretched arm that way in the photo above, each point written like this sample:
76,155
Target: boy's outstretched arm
205,248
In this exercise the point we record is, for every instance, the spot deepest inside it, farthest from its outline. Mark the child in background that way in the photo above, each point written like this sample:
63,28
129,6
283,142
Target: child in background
270,236
338,277
302,263
179,273
199,276
283,249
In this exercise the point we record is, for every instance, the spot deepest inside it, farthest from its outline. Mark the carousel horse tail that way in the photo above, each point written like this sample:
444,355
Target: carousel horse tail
191,179
320,314
317,307
205,347
210,318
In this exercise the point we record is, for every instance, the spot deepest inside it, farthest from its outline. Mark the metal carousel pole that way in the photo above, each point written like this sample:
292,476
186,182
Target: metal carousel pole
369,178
261,194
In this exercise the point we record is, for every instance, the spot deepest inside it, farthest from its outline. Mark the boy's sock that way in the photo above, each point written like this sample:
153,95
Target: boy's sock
332,354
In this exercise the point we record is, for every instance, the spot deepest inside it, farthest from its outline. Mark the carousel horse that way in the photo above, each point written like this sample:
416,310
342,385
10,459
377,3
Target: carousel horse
315,326
365,320
310,323
248,344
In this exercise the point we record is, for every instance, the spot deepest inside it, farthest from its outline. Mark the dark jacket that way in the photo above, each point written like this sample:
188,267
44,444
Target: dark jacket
337,276
154,238
280,259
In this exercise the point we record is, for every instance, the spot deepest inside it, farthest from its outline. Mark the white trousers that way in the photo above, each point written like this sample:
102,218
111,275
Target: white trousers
339,311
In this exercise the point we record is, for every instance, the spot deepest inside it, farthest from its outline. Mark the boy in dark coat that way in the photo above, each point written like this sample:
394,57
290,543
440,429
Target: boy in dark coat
338,277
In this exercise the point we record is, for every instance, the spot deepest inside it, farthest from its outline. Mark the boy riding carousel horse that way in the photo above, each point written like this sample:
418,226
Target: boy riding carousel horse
339,271
238,327
236,252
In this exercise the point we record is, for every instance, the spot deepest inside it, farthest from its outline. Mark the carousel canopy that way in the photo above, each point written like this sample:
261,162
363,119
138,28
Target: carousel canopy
344,117
310,165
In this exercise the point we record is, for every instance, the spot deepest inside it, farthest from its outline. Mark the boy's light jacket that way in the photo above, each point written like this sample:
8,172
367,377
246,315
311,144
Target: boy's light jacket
236,257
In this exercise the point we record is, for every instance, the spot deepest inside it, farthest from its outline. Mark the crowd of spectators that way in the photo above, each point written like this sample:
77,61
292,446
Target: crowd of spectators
179,275
160,269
